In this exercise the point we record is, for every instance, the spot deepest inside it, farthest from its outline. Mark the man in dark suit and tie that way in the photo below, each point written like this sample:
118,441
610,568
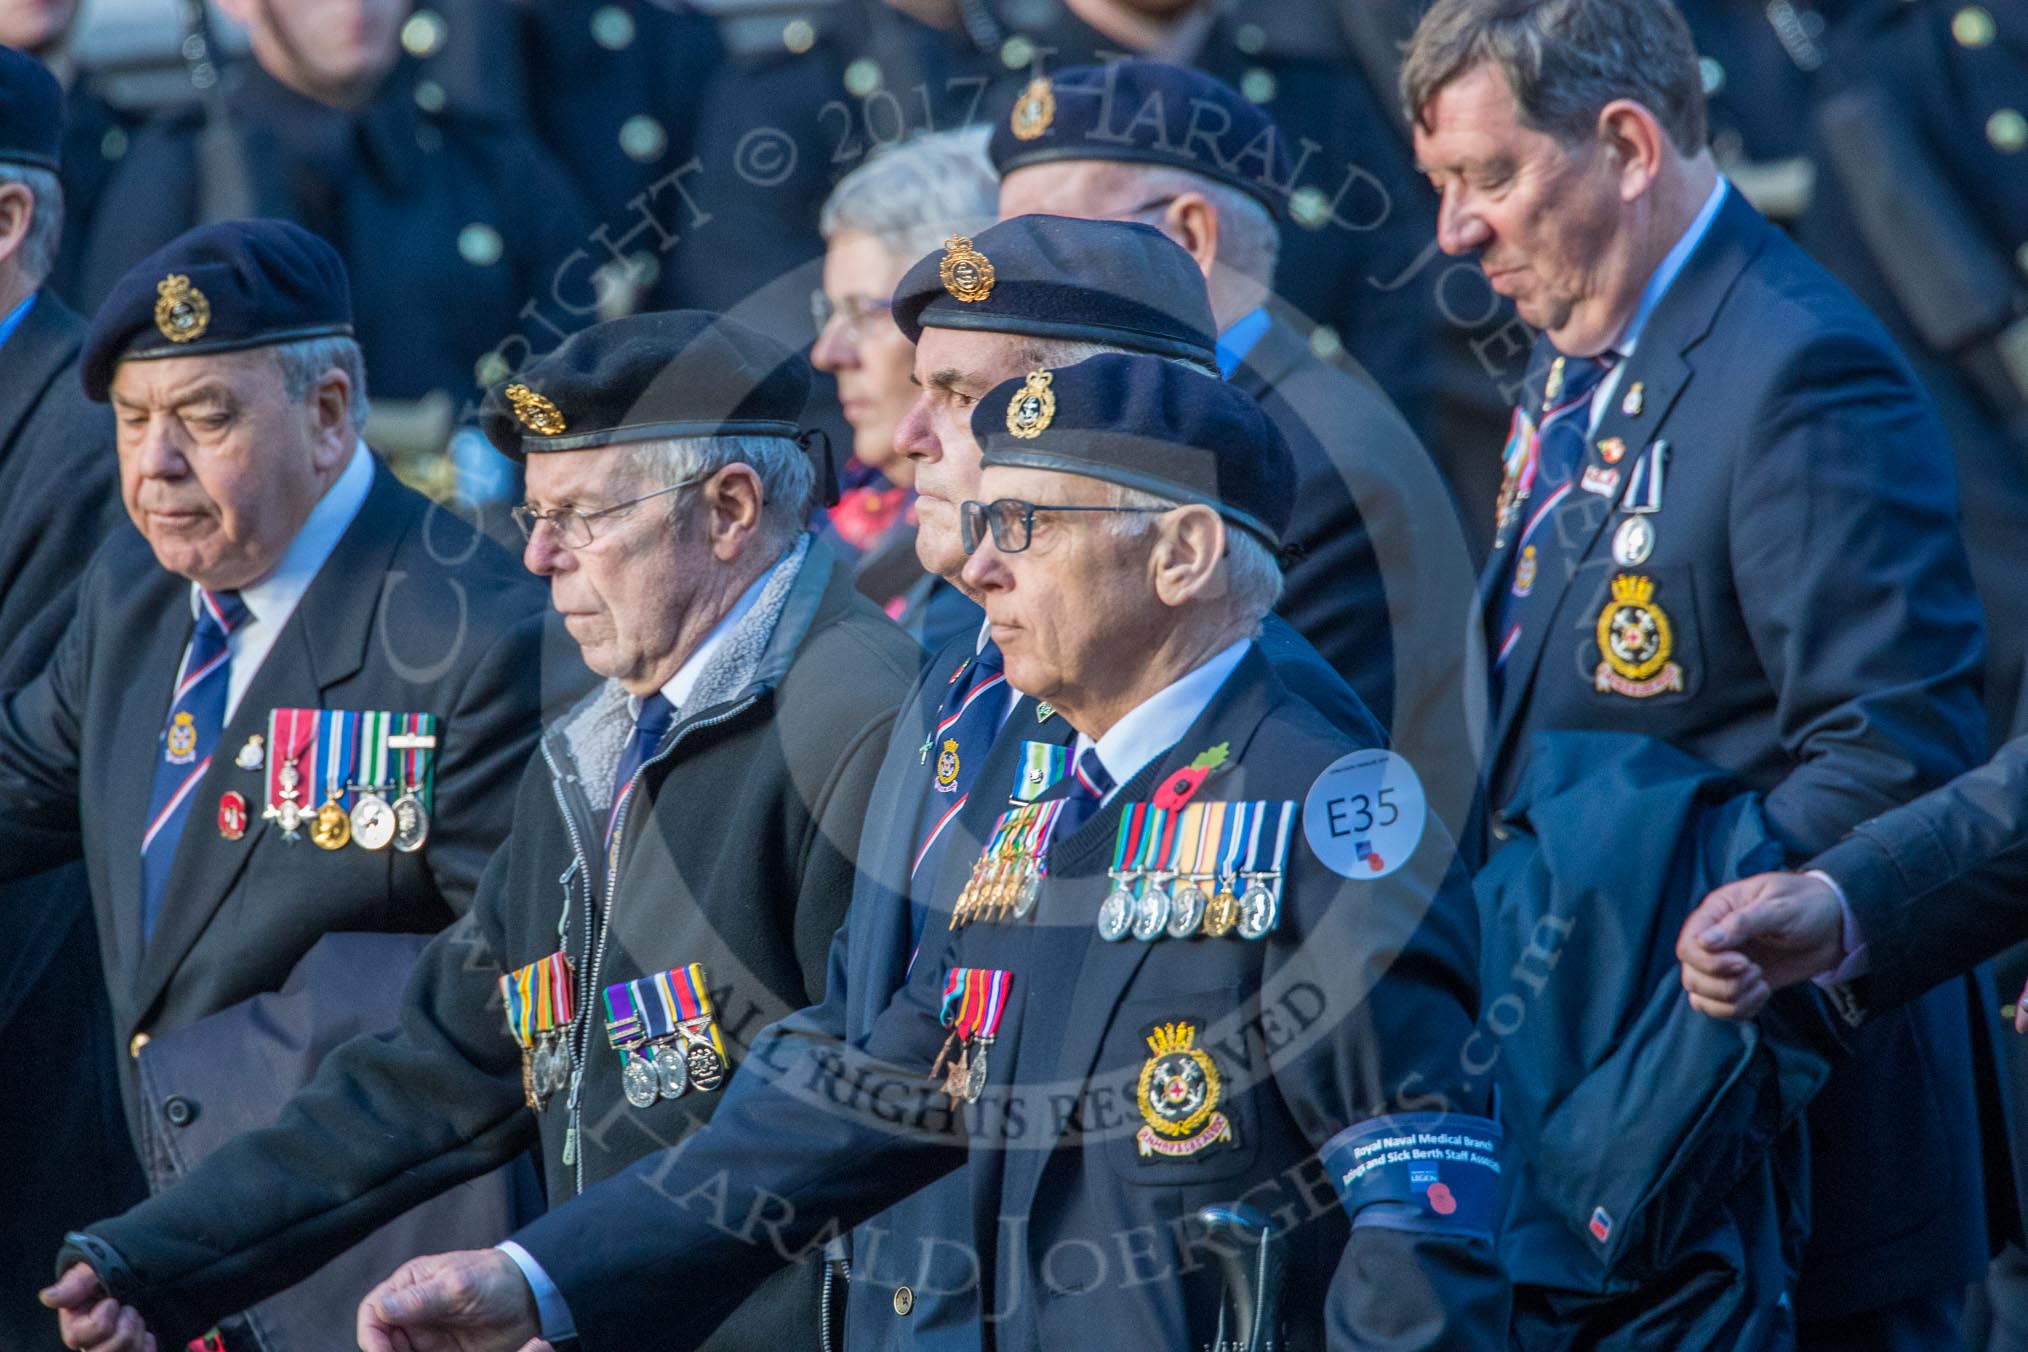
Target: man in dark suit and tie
1729,521
56,503
285,637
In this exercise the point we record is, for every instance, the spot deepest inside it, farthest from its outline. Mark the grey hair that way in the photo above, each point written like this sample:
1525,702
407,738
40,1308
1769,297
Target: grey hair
1249,241
303,363
915,194
1564,60
45,222
788,479
1053,354
1253,578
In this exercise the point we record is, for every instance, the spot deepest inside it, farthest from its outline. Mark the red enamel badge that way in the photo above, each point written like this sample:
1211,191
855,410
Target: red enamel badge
231,815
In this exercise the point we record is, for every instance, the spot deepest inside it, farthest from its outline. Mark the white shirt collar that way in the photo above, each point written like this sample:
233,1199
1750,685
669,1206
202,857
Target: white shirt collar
1152,726
678,687
275,597
1671,266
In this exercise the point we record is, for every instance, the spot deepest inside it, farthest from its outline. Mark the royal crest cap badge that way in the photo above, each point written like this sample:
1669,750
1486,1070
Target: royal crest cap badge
967,274
535,413
182,313
1032,408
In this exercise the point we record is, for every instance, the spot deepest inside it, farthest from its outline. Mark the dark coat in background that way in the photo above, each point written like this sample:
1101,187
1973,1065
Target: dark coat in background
57,500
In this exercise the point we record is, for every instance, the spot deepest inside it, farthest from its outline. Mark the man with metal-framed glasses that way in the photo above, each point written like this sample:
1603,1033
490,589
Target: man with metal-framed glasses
681,848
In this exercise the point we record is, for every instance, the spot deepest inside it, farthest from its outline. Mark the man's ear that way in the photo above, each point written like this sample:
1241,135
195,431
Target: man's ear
331,419
1192,221
1637,142
17,213
733,499
1188,560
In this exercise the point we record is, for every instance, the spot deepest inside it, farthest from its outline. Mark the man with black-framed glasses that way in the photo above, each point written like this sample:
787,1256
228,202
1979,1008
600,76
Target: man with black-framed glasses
680,852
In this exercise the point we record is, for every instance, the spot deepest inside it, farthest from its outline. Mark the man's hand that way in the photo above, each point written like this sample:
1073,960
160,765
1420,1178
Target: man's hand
89,1320
1749,939
475,1300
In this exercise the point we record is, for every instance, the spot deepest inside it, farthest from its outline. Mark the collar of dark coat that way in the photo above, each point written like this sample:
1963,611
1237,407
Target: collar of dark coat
34,358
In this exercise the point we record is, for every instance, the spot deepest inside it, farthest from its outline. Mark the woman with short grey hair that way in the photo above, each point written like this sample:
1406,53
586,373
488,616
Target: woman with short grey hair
899,205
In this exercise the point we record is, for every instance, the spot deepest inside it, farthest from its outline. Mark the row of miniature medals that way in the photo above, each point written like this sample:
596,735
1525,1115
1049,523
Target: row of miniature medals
1179,869
373,767
661,1026
1212,868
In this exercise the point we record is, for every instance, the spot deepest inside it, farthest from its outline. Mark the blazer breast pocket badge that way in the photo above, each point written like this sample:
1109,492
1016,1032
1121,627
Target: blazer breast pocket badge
1635,642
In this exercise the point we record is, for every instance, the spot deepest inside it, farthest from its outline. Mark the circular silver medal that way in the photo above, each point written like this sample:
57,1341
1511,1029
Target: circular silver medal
1186,909
975,1077
1116,914
411,824
372,822
638,1081
1025,895
1633,542
540,1071
707,1067
1257,912
1151,913
672,1072
559,1066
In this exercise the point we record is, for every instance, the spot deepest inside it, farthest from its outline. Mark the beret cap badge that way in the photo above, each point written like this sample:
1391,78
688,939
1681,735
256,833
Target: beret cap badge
967,274
1032,408
181,311
536,414
1033,111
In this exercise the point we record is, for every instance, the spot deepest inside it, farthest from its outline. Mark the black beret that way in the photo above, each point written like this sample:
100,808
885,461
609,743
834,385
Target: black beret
220,288
1112,282
1147,424
678,373
1146,112
31,111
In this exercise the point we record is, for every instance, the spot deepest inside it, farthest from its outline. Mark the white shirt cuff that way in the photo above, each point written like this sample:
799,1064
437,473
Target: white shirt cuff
549,1306
1855,962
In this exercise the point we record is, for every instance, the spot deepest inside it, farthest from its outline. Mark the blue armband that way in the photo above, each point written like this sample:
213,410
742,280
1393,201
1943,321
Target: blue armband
1418,1171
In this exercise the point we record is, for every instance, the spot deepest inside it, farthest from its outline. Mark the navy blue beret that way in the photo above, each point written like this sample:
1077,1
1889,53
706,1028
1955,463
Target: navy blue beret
677,373
31,111
1146,112
1147,424
220,288
1112,282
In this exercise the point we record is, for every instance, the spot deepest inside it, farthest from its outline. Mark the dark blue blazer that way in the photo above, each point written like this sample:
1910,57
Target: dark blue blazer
1828,642
840,1130
922,1242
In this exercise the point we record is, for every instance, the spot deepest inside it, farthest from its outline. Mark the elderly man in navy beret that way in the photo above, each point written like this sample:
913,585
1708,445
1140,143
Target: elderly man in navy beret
677,857
197,734
1383,577
1231,940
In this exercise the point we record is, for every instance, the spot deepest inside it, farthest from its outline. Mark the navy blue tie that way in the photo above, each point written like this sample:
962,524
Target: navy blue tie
968,721
651,725
1538,562
196,717
1089,784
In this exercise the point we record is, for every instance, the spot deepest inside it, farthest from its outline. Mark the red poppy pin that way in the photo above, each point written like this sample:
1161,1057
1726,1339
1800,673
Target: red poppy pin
1180,787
